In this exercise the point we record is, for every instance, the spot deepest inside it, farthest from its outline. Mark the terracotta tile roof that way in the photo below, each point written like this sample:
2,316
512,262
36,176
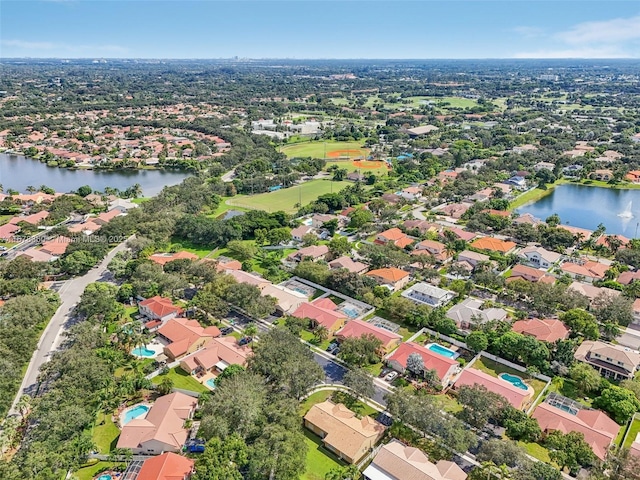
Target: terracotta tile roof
7,230
349,264
287,300
588,269
599,430
168,466
391,274
163,423
432,361
514,395
160,306
225,349
626,278
546,330
183,333
358,328
529,274
56,247
251,279
493,244
461,234
392,234
399,461
328,318
345,432
33,219
163,258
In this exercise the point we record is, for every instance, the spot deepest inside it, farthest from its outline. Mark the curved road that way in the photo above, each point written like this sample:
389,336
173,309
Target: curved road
52,336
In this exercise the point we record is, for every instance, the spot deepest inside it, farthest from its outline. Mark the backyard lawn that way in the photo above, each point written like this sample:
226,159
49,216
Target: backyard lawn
319,459
494,369
536,450
285,199
87,473
182,380
199,250
634,429
448,404
314,398
105,433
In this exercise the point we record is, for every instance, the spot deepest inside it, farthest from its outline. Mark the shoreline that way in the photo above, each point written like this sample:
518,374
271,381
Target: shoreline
537,194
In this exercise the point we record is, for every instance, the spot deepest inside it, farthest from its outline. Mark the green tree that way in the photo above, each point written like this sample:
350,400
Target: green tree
360,351
165,386
242,251
581,323
586,377
360,383
349,472
477,341
619,402
480,405
569,450
222,459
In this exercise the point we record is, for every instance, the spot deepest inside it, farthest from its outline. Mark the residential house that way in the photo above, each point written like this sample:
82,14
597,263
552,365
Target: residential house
422,226
358,328
619,241
633,176
312,252
168,466
36,255
162,429
539,257
249,278
517,181
8,230
164,258
546,330
342,433
122,205
527,218
105,217
445,367
592,292
299,232
589,270
185,336
544,165
422,130
455,210
469,312
392,277
426,294
437,249
319,219
349,264
459,233
529,274
612,361
217,355
473,258
517,397
157,310
636,312
33,219
288,300
447,176
55,247
392,198
395,236
396,461
225,263
491,244
322,311
598,429
603,175
411,193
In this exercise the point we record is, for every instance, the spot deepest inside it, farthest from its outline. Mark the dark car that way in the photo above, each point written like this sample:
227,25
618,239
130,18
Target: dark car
332,346
226,330
245,341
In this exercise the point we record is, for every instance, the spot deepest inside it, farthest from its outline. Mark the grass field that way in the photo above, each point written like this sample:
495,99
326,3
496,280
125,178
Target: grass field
182,380
87,473
105,433
377,168
287,198
199,250
634,429
319,460
325,149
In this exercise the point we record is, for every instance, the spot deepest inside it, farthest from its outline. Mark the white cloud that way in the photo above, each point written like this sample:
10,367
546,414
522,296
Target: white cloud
614,31
615,38
28,45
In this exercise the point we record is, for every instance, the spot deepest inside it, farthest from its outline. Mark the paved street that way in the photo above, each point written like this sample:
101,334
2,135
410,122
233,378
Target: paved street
629,338
51,338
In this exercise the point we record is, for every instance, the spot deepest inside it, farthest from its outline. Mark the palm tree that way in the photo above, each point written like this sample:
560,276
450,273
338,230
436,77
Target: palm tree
31,189
24,405
321,333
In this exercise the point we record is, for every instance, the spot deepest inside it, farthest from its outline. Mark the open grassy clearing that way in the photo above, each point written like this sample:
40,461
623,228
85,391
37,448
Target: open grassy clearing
324,149
536,450
105,433
634,429
350,166
181,380
199,250
87,473
287,198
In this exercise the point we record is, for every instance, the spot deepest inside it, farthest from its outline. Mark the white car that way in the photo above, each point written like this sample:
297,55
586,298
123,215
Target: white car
391,376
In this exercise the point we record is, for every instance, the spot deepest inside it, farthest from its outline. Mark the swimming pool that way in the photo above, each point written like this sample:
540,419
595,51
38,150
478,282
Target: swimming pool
514,380
211,383
350,312
440,350
104,477
136,412
143,352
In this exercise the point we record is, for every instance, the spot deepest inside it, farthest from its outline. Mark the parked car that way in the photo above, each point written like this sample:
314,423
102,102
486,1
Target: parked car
332,346
245,341
391,376
226,330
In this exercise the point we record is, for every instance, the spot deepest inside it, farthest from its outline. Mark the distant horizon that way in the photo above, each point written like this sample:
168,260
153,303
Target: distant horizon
312,29
336,59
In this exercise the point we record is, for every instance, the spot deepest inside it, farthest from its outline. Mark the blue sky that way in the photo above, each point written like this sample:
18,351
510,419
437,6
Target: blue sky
319,29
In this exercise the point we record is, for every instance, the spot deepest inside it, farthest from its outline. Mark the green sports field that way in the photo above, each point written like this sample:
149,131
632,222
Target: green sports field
287,198
318,149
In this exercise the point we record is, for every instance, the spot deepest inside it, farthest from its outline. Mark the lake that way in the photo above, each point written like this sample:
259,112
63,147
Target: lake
18,172
586,207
